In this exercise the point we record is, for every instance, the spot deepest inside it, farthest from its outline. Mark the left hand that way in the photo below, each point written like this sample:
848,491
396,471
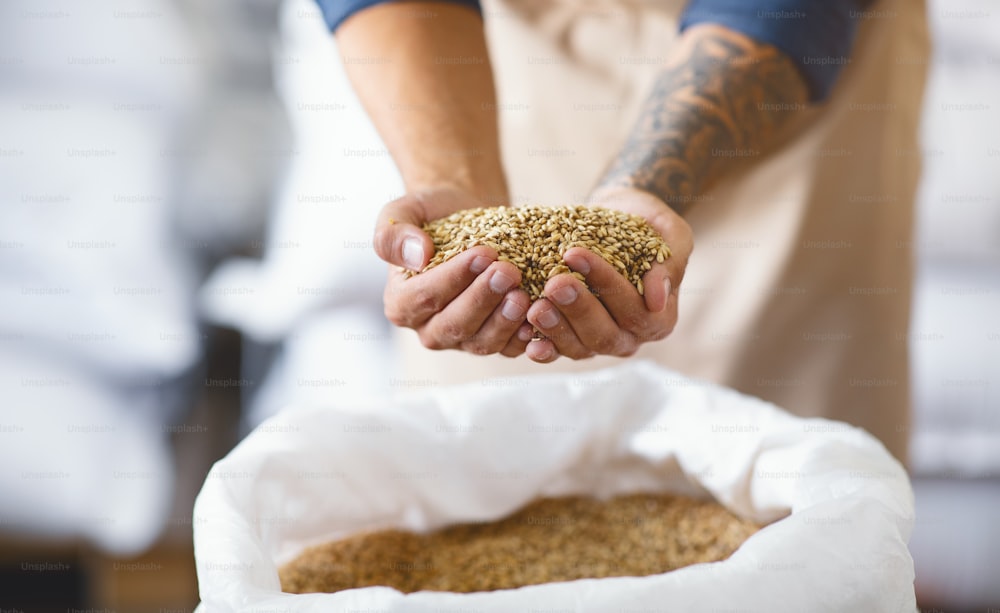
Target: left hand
470,302
612,318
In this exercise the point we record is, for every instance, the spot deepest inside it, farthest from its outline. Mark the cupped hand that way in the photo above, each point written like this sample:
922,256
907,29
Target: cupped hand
611,317
471,302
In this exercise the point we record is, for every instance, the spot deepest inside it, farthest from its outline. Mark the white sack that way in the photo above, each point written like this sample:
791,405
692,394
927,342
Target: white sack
477,452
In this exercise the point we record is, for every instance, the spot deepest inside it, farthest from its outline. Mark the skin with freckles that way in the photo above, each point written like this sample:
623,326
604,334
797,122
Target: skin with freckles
714,94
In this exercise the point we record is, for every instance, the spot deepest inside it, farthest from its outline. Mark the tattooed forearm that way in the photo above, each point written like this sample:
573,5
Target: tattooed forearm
721,99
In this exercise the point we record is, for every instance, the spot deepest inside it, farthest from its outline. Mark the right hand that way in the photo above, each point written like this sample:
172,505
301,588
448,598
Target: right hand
471,302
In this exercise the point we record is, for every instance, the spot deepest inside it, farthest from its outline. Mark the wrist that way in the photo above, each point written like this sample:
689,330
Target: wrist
488,188
607,194
626,187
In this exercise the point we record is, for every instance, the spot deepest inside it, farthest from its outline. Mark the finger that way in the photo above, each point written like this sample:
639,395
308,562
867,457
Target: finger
501,326
542,351
620,298
519,341
547,318
411,302
588,317
661,293
669,285
460,321
657,287
678,236
399,237
669,320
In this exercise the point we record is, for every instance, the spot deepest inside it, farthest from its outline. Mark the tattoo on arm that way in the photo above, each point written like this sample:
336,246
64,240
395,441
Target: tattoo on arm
721,100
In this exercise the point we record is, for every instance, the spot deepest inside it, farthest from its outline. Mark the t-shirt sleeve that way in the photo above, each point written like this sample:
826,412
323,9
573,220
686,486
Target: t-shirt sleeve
815,34
336,11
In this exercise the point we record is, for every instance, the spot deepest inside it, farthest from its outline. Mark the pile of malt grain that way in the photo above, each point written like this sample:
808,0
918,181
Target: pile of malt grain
552,539
534,238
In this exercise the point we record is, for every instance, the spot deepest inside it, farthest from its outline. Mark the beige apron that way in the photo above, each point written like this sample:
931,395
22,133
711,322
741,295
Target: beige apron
799,286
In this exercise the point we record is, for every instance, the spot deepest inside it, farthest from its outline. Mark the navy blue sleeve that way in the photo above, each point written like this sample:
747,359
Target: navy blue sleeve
336,11
815,34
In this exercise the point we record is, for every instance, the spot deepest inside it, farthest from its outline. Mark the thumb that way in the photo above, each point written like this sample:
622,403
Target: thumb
399,238
664,280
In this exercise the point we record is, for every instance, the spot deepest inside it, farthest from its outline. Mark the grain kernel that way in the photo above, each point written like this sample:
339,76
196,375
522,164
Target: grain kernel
551,539
534,238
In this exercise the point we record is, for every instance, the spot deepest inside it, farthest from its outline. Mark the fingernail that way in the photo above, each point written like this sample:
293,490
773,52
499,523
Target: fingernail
479,264
546,355
525,334
667,287
512,311
582,266
501,282
548,318
564,295
413,253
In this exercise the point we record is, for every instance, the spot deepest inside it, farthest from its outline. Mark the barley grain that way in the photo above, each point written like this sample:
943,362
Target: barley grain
535,238
555,539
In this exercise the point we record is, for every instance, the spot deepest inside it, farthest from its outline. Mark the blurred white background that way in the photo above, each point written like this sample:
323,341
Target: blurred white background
955,333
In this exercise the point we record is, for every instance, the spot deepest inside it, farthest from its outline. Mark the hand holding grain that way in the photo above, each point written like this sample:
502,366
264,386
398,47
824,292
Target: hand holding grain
563,254
613,318
472,302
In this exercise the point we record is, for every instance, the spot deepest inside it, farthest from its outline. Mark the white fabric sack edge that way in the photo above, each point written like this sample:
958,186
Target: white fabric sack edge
480,451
